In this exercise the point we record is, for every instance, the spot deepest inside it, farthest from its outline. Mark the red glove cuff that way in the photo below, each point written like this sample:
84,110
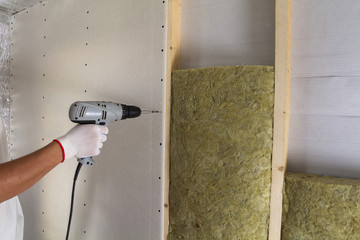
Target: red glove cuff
62,149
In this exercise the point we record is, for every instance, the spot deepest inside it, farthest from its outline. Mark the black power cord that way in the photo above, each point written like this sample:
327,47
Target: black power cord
72,198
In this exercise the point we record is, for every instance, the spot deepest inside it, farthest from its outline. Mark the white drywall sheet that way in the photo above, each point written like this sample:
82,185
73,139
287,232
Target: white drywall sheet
64,51
225,33
324,134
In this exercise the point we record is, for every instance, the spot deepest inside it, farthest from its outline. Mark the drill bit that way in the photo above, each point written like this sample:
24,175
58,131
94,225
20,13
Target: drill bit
149,111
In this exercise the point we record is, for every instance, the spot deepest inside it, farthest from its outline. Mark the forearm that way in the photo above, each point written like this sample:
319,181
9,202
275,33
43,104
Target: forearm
18,175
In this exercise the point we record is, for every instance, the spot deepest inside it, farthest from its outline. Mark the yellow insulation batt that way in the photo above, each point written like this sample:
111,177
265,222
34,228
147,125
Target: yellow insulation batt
318,207
221,144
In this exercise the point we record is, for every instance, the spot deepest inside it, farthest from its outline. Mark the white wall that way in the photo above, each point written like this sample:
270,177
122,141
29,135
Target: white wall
64,51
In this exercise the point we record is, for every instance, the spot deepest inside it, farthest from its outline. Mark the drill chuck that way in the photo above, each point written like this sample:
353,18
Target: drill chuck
130,111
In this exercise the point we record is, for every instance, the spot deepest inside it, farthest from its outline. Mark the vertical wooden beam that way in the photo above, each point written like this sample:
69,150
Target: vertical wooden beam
281,113
173,63
173,35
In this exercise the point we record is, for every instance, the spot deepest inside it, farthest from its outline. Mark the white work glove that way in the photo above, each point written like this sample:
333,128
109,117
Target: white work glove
83,141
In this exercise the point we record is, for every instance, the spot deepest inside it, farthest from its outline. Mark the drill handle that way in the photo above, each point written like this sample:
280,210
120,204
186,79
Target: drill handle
87,161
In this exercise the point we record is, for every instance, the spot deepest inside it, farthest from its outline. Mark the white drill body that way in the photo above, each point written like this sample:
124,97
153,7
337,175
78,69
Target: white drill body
100,113
93,112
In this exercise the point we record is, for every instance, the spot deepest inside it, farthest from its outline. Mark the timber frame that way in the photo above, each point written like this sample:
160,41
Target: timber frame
281,113
281,108
172,63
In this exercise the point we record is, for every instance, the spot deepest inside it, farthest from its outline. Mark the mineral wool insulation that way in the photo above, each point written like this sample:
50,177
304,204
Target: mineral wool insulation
221,143
318,207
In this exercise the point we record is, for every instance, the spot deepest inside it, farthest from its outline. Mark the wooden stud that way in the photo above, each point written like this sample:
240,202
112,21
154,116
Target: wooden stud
172,63
281,113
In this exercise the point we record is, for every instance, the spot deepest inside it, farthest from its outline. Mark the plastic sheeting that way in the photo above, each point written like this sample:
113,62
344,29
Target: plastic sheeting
5,71
324,130
7,8
227,33
14,6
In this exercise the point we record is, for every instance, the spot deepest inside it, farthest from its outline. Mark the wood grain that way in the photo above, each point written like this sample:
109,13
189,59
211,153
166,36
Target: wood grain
281,113
173,63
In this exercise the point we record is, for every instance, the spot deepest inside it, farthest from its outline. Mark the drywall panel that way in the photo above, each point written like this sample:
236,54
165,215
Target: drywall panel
324,106
231,32
64,51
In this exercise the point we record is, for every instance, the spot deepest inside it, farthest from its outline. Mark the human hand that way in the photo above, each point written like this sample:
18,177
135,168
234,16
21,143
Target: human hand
83,141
